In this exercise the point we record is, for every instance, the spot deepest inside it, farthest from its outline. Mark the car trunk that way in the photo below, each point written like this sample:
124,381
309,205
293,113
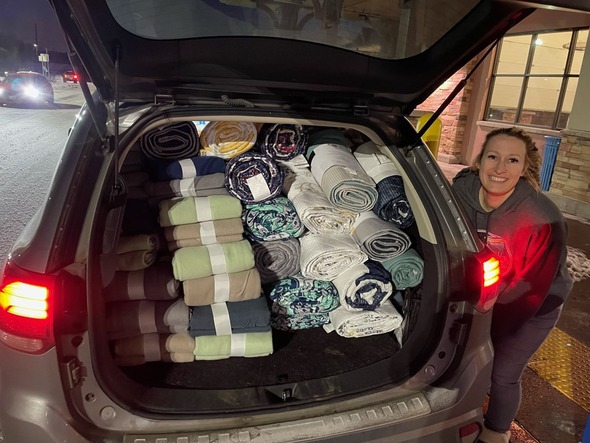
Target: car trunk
303,364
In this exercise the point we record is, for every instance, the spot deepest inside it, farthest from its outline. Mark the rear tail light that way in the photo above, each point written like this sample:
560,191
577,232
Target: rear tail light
490,271
26,310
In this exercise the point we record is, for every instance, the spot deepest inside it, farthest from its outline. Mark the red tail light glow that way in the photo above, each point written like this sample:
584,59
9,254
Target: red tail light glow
26,314
491,272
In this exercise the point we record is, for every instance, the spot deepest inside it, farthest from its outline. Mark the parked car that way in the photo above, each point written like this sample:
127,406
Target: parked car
25,87
98,346
70,76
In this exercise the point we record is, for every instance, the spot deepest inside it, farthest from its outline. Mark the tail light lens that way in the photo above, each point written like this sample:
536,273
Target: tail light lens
26,309
490,271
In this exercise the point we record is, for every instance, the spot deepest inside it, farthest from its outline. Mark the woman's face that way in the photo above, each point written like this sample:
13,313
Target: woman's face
502,164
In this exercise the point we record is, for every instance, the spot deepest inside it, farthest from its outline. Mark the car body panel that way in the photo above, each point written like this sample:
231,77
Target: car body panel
26,87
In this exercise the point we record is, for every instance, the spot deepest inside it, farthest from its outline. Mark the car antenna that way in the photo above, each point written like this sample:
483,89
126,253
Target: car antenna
449,99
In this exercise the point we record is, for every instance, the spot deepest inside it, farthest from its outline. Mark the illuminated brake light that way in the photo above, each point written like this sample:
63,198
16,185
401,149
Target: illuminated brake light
25,300
491,272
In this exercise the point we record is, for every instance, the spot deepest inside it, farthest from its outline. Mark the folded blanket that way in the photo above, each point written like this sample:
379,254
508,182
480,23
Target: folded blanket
154,283
202,261
185,210
318,136
274,219
186,168
228,139
392,203
277,259
227,318
217,347
153,345
168,357
202,186
378,238
353,324
364,286
135,178
173,141
133,160
135,260
324,257
313,207
130,318
282,141
138,242
204,233
302,303
234,287
406,270
253,177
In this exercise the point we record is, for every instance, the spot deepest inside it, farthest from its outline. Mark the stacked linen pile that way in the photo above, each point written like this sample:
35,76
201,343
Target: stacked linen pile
135,252
221,285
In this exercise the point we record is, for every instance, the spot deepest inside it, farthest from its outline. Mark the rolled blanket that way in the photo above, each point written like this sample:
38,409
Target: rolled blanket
364,287
173,141
406,270
153,345
185,210
342,178
135,260
186,168
354,324
378,238
314,209
301,303
205,233
277,259
138,242
217,347
228,139
274,219
392,204
202,261
202,186
324,256
234,287
282,141
130,318
223,318
154,283
253,177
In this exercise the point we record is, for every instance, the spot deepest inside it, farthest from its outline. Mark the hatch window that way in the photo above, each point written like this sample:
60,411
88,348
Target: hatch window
383,29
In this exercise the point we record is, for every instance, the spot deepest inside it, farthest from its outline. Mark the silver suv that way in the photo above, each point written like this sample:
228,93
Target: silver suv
245,239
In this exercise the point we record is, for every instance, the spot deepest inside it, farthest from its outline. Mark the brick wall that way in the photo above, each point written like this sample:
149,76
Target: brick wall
571,175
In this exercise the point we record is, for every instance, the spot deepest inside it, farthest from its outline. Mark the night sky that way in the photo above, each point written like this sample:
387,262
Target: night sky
18,17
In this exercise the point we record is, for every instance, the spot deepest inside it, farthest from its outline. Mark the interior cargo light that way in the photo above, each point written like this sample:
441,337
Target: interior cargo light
491,272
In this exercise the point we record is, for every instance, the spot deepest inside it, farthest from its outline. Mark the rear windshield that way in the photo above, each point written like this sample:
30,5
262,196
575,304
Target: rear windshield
388,29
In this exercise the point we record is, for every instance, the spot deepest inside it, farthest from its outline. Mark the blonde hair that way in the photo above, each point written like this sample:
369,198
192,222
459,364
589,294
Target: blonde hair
532,166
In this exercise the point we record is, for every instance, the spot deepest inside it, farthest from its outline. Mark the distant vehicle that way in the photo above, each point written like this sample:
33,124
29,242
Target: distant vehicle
25,87
70,76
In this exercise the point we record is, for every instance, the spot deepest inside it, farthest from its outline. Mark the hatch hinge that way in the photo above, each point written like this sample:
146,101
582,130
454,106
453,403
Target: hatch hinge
361,110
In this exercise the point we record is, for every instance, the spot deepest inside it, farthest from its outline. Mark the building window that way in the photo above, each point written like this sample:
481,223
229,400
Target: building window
535,77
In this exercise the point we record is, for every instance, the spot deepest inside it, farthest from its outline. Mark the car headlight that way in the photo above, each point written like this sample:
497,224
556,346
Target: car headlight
32,92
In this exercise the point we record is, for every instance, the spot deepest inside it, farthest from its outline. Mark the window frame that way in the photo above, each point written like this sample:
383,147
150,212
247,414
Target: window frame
527,75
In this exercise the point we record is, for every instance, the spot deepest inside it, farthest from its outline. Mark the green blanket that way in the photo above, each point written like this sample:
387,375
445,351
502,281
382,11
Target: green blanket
217,347
185,210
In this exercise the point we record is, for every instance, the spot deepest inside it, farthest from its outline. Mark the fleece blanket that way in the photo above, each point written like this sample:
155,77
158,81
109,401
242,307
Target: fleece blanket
274,219
253,177
277,259
202,261
406,270
202,186
177,347
154,283
392,204
228,139
135,260
138,242
282,141
378,238
324,256
356,324
185,168
313,207
130,318
302,303
217,347
173,141
227,318
234,287
185,210
364,287
204,233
